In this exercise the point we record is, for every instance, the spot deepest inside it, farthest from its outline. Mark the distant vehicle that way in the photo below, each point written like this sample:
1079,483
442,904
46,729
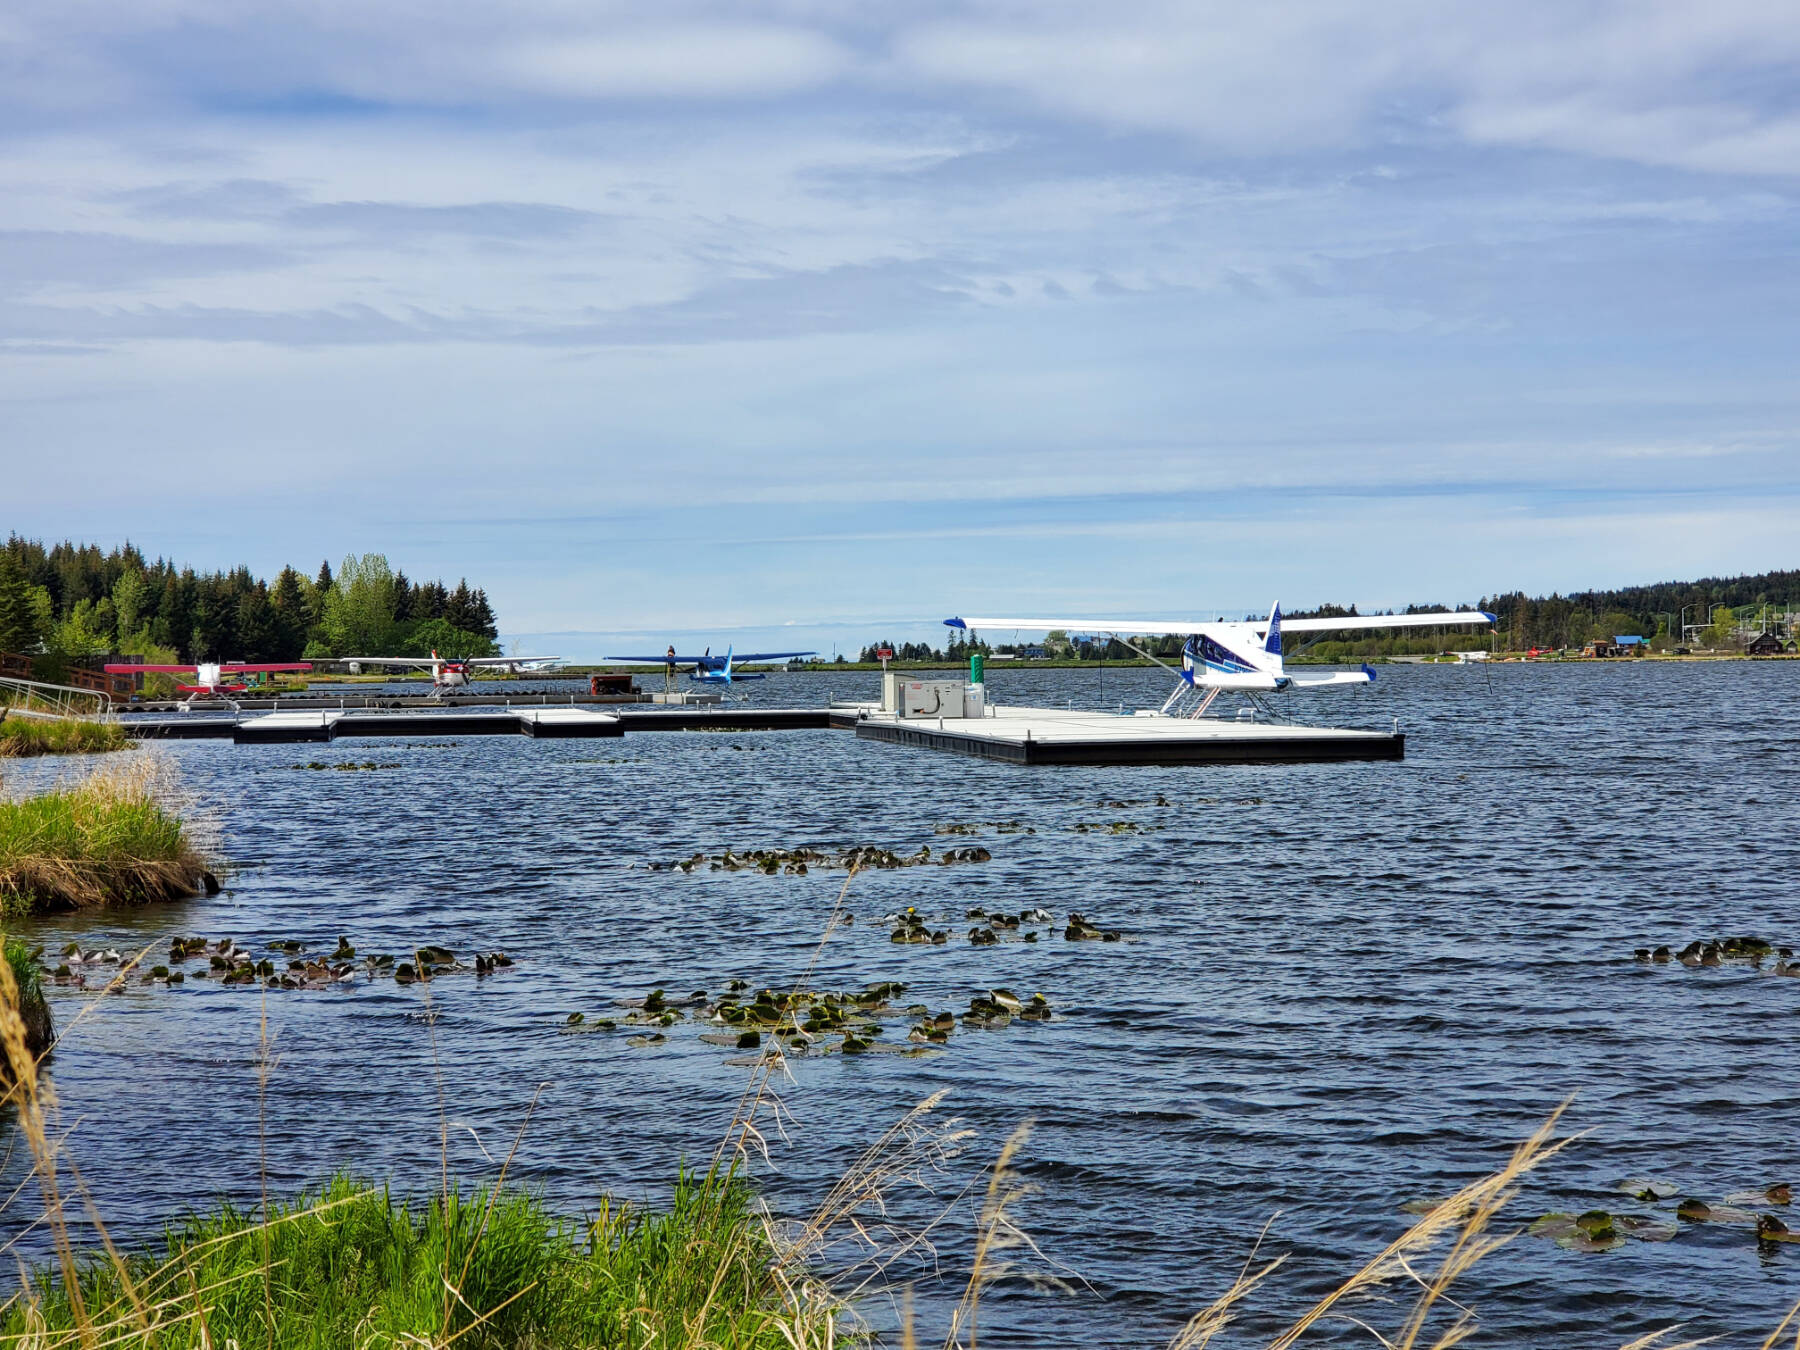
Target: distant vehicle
453,673
209,676
707,668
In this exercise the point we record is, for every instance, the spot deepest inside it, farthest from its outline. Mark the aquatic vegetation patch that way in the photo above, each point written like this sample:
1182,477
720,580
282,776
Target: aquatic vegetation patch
799,861
1709,953
910,928
280,964
27,737
1159,800
1113,827
977,826
1080,930
108,839
1600,1230
347,767
807,1023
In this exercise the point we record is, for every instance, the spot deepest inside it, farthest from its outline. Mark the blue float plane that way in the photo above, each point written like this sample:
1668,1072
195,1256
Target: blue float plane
707,668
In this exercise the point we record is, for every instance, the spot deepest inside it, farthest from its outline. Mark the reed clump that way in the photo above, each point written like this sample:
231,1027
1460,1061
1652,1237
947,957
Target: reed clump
33,1009
26,737
354,1265
109,838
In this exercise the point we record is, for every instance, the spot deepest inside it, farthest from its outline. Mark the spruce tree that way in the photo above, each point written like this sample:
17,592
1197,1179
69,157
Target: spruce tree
482,615
18,619
460,610
288,604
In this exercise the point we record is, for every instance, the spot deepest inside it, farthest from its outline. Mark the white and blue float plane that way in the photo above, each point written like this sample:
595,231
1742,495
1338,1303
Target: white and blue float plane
707,668
1244,657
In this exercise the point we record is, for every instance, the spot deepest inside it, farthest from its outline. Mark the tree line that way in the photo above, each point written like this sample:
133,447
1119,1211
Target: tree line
74,602
1723,607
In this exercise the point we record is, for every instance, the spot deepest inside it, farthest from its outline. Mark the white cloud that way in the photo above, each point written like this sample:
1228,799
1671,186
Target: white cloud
696,61
1705,87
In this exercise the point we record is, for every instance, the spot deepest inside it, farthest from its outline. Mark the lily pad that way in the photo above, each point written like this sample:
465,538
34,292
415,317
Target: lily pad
1698,1211
1771,1229
1594,1231
1425,1204
1646,1228
1779,1194
1608,1240
1647,1189
639,1042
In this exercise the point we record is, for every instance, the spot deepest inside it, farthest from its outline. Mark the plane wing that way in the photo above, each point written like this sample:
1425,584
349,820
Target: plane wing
1437,619
737,658
509,661
1366,675
1443,618
225,668
388,660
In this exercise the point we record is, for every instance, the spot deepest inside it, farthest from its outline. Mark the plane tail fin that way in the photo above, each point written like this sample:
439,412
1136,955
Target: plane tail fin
1272,643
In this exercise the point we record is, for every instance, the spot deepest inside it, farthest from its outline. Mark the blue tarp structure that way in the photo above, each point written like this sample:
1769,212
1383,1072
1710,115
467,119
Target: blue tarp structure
1629,641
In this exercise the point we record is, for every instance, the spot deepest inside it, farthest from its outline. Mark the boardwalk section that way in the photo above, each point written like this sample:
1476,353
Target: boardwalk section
1022,735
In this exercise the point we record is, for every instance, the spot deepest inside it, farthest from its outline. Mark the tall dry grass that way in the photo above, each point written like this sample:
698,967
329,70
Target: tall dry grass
112,836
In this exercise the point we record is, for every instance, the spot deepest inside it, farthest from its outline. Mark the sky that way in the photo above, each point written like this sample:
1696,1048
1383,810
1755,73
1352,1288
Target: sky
800,324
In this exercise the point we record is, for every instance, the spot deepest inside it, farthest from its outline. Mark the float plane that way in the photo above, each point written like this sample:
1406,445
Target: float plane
448,673
210,680
707,668
1244,657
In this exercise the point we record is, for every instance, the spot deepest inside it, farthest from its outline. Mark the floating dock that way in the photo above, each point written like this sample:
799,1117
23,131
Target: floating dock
344,702
1022,735
290,728
1006,733
296,726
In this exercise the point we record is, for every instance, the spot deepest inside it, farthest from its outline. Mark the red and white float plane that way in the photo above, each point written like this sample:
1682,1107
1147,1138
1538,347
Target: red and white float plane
210,676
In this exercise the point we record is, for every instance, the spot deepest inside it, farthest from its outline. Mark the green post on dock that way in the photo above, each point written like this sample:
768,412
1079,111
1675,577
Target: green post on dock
975,668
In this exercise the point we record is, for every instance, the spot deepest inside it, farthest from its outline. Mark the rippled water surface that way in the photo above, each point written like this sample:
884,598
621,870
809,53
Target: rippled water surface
1343,986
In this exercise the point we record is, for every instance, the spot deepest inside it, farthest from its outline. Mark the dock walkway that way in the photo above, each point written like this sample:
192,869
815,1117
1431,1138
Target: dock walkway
1022,735
290,728
1014,735
344,702
301,726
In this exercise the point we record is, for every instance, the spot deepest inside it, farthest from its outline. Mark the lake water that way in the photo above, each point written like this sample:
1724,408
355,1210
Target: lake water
1341,987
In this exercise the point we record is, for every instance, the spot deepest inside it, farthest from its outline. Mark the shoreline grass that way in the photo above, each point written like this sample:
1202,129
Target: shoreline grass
26,737
106,839
33,1007
353,1264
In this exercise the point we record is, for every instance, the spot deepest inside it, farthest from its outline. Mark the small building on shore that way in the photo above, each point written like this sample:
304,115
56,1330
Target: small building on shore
1628,644
1767,644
